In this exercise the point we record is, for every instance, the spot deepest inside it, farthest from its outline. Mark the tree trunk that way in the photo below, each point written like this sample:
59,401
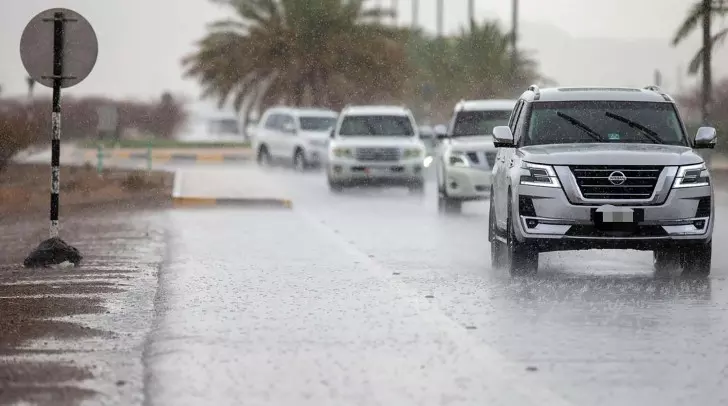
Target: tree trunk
707,59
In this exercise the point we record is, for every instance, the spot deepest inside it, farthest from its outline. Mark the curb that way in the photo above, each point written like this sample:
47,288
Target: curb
179,200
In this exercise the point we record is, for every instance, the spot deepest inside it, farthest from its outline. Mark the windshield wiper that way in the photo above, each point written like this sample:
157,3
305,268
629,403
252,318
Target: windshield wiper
581,125
651,135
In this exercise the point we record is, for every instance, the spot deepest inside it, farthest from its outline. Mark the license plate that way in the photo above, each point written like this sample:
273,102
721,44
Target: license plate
614,214
374,171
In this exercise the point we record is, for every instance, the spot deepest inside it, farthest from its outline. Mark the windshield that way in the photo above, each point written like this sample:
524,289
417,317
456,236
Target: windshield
469,123
604,121
317,123
397,126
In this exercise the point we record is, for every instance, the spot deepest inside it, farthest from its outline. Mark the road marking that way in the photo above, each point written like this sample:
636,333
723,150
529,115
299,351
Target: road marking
509,376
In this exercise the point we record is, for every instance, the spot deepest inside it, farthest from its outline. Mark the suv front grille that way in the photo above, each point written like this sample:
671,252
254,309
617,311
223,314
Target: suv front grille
638,183
377,154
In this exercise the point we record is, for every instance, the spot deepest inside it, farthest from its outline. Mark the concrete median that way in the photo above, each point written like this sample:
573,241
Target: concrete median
238,188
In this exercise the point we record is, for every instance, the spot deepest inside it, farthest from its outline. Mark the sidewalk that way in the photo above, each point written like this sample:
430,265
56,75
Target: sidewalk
74,334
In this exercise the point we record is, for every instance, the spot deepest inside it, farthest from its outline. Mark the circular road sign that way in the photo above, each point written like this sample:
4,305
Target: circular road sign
80,47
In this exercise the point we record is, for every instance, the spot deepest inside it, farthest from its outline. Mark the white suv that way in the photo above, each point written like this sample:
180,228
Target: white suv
293,135
376,145
466,155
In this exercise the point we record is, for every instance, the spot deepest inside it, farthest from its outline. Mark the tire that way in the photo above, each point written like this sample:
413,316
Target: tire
417,187
496,246
445,204
665,260
521,258
299,161
264,158
448,205
335,186
696,259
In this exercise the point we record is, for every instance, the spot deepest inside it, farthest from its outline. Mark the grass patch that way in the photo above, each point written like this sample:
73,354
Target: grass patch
164,143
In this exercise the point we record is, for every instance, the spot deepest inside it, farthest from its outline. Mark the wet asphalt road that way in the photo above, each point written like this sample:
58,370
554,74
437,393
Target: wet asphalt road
371,297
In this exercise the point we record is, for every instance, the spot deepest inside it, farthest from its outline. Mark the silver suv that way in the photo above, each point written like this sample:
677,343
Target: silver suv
600,168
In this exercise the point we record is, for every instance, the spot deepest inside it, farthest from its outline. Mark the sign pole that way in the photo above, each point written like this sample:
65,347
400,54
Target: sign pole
58,22
57,55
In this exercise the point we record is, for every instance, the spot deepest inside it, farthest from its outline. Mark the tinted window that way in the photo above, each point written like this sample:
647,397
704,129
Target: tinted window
376,125
316,123
554,123
479,122
272,122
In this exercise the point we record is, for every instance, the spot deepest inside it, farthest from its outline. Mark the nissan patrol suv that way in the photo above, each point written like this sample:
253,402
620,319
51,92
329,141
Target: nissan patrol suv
600,168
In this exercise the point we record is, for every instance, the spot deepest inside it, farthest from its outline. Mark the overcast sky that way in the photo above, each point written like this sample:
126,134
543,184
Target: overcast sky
142,41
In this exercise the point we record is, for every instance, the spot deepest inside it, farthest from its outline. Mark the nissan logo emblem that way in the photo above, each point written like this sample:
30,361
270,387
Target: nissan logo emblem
617,178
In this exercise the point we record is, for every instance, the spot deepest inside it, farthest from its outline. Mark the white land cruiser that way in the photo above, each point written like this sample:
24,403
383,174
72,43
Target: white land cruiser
376,145
466,154
297,136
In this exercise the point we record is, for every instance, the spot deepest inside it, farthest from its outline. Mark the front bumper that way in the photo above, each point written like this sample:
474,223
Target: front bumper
549,220
468,183
399,172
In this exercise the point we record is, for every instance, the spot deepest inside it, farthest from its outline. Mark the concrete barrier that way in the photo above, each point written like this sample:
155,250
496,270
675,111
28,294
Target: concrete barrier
194,188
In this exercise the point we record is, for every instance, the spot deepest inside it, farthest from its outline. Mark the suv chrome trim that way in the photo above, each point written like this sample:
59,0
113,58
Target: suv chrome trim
658,196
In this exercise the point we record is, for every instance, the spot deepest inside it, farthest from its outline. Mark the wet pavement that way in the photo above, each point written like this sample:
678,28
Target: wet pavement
73,336
371,297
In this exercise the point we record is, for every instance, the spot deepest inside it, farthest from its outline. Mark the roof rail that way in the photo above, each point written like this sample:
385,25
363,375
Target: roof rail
535,90
657,89
653,88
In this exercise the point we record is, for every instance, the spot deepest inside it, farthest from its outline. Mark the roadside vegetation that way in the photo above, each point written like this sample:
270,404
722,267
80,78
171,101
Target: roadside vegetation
334,52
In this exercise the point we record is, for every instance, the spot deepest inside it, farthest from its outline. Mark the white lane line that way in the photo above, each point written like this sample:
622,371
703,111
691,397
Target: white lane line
509,376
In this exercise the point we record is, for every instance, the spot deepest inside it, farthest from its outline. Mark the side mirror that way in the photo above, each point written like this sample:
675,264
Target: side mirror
440,132
332,134
503,137
705,138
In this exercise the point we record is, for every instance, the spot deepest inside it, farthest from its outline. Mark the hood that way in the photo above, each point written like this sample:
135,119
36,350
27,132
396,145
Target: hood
470,143
610,154
378,141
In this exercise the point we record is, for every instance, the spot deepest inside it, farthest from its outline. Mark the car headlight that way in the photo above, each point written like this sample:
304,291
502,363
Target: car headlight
341,152
692,175
538,175
413,153
458,159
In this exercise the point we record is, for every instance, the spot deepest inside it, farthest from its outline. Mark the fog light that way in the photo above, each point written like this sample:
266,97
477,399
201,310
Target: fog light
418,169
337,168
531,223
453,185
699,224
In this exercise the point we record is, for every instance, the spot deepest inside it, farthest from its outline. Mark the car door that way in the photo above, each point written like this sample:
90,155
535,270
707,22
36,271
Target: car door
501,171
288,136
262,137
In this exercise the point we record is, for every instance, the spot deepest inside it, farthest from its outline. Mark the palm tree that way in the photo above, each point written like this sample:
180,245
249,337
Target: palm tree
703,10
478,63
301,52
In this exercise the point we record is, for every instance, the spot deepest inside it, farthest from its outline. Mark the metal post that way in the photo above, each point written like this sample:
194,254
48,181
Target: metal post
149,155
415,13
100,158
707,58
514,34
58,22
471,14
440,16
